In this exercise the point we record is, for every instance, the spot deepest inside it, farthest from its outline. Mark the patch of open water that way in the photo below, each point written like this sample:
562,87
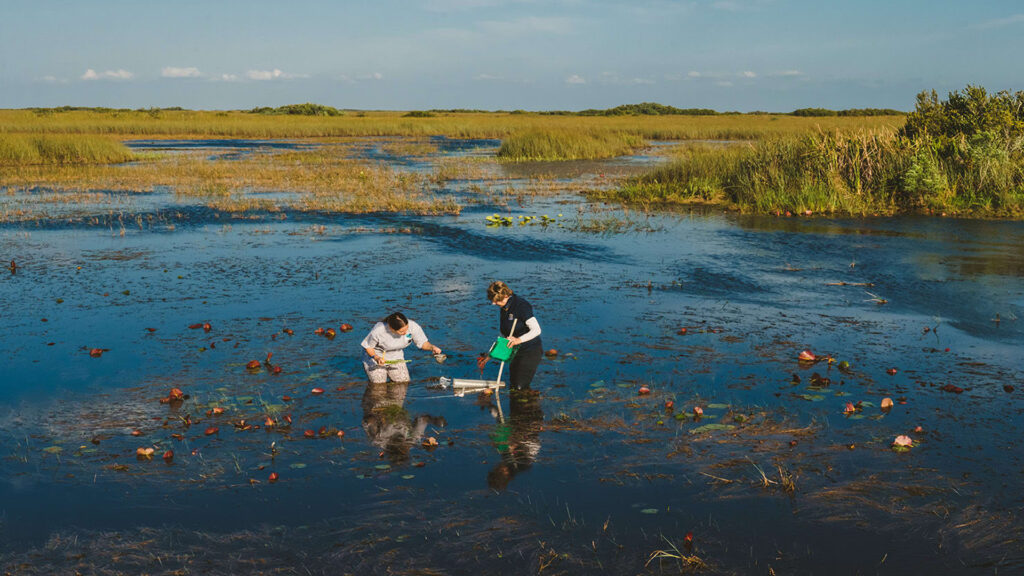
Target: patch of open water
586,476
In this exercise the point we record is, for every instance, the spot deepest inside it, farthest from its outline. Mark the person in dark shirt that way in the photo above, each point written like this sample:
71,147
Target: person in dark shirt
515,309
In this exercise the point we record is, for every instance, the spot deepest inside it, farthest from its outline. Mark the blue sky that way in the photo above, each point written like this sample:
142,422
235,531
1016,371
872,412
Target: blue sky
775,55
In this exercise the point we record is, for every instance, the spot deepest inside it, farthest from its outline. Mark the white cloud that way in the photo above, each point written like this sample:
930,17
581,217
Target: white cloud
175,72
575,79
693,74
264,74
274,74
748,74
52,80
1001,22
487,77
228,78
119,74
791,73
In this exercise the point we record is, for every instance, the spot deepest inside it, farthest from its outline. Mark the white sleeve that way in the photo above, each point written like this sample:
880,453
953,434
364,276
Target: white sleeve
371,339
418,337
534,331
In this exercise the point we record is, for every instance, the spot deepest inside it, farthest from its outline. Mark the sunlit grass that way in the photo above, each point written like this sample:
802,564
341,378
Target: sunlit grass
183,124
34,149
566,144
325,179
857,173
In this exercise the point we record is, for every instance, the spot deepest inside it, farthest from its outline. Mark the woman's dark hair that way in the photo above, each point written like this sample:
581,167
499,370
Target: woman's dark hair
396,321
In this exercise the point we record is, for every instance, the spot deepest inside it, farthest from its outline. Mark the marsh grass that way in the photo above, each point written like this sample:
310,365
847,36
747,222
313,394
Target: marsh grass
324,179
50,149
184,124
540,145
856,173
416,147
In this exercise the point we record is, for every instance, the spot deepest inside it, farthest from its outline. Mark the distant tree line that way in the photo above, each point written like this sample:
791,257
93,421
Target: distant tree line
307,109
849,112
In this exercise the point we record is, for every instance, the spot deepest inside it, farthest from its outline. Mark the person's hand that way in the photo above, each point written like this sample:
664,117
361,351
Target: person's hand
379,360
513,341
437,350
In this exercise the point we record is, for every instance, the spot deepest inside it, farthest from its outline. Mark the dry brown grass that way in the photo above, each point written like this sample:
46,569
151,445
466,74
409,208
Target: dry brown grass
324,179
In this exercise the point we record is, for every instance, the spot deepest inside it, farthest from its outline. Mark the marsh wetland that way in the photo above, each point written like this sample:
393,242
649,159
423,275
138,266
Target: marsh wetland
130,280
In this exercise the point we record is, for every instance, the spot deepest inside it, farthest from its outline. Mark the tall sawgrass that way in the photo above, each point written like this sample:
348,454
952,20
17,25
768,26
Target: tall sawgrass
31,149
841,173
567,145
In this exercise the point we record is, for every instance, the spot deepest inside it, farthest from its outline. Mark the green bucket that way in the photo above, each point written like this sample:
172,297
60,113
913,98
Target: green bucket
501,351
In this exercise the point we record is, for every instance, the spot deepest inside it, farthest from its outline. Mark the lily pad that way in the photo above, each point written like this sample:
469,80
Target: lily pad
383,466
298,466
53,450
598,384
810,397
718,406
408,476
649,511
711,428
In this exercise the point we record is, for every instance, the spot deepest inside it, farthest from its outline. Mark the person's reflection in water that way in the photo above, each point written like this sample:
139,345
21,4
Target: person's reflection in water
387,423
518,440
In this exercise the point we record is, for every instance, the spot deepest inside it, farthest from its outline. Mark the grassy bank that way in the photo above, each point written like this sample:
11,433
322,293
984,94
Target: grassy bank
194,124
567,145
964,156
50,149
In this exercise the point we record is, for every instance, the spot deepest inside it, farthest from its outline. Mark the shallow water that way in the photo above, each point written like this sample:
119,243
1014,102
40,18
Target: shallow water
586,476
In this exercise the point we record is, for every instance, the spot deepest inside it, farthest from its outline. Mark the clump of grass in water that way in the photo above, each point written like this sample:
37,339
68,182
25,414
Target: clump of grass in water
568,145
965,155
49,149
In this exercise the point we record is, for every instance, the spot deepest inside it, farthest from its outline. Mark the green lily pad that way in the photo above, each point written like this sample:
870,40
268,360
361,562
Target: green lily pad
408,476
901,448
53,450
598,384
855,417
298,466
718,406
810,397
383,466
649,511
711,428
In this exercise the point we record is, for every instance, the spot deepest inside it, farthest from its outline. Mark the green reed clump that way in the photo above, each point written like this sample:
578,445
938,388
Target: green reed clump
32,149
825,172
568,144
964,156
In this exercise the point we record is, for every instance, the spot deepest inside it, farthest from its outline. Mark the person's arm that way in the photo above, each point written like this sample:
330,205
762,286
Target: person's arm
533,332
370,345
419,338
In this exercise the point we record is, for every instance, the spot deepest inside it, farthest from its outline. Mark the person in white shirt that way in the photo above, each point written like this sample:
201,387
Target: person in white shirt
383,356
